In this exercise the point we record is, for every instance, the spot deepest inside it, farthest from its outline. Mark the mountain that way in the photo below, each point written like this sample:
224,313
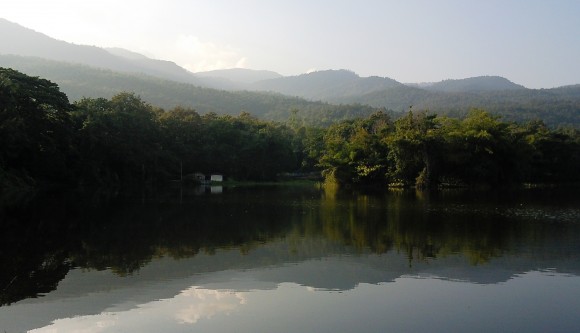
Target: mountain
343,86
328,85
125,53
475,84
18,40
91,71
556,106
78,81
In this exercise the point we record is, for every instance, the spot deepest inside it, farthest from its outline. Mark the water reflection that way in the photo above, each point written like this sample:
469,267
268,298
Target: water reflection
444,306
193,256
186,308
43,240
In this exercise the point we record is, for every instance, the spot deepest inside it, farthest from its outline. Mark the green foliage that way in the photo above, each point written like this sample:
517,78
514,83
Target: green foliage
130,141
413,150
353,151
246,148
35,127
426,151
126,141
119,139
554,155
79,81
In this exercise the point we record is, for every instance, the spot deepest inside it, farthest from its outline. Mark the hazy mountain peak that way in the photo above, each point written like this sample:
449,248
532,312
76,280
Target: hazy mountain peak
344,73
18,40
11,27
328,85
474,84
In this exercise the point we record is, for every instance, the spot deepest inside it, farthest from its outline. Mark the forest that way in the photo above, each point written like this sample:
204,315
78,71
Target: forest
124,141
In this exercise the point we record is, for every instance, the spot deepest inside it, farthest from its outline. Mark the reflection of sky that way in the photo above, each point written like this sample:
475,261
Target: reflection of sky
531,302
188,307
205,303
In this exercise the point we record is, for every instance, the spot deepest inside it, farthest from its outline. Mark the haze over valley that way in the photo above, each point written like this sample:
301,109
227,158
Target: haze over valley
90,71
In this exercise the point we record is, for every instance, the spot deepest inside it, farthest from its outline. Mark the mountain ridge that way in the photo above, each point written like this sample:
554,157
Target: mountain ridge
476,83
79,81
325,85
18,40
117,69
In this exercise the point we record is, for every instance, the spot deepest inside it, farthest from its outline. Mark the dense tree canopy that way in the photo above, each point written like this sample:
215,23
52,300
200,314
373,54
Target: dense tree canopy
427,150
124,141
35,127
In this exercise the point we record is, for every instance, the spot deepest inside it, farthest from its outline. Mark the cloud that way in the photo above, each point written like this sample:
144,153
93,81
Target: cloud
195,55
187,307
242,63
81,324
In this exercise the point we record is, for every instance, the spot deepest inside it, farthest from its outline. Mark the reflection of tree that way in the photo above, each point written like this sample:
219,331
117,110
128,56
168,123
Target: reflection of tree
421,226
42,240
33,253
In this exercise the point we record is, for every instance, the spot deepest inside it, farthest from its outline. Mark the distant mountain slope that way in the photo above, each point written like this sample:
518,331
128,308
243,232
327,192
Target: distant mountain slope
120,52
571,92
557,106
18,40
158,82
79,81
475,84
326,85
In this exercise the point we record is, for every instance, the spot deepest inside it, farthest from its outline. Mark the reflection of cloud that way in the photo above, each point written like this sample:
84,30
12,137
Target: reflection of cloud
196,55
188,307
84,324
212,302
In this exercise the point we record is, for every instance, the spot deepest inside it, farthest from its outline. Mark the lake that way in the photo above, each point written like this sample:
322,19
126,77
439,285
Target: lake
302,258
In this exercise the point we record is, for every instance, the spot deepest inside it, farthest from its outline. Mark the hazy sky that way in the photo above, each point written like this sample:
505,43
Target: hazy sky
531,42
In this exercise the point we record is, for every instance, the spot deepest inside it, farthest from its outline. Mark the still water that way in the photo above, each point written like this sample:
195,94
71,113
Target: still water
292,259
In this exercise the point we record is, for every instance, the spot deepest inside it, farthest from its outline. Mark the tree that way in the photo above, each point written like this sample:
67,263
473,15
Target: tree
182,139
354,151
35,127
120,140
554,154
414,150
494,152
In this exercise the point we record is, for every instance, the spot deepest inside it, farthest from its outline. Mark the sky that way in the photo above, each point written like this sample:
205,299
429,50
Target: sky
535,43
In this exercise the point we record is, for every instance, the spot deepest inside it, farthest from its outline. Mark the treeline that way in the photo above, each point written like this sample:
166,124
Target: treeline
556,107
426,150
124,140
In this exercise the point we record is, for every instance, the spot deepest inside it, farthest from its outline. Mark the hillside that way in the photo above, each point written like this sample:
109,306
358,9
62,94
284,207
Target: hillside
98,72
18,40
78,81
556,107
325,85
475,84
498,95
